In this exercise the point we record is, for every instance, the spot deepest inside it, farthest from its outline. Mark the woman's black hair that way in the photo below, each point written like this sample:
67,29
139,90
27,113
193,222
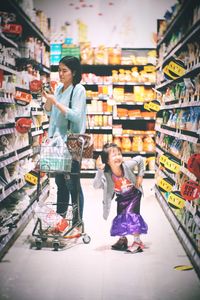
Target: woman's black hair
73,63
105,154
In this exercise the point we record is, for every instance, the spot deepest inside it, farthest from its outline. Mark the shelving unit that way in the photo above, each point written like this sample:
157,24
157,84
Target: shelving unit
17,158
102,88
177,126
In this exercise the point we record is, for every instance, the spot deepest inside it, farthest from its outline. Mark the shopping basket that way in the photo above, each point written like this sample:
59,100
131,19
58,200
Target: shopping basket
55,159
50,225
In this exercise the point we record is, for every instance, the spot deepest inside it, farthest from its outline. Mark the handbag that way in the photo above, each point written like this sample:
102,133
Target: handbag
79,144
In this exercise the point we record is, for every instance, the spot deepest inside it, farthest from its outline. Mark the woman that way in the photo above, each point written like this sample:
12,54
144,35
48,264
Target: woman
117,177
62,118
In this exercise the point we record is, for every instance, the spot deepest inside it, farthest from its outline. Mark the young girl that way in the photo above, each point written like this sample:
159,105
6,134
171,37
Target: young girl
117,177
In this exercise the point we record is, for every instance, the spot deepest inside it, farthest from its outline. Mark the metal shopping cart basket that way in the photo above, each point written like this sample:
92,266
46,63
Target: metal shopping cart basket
49,225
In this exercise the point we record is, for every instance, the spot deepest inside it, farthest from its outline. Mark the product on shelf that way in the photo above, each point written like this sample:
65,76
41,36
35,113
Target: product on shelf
177,124
21,64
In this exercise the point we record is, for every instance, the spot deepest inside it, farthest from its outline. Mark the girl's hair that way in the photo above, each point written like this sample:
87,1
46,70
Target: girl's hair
74,65
105,153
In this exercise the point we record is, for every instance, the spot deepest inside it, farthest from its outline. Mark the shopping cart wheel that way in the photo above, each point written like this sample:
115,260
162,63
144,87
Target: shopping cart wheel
56,245
38,244
86,239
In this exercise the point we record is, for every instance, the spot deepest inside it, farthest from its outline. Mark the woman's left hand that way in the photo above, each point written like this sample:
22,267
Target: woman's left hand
139,180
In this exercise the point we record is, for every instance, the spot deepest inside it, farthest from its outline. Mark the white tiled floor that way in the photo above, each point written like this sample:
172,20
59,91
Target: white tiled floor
94,271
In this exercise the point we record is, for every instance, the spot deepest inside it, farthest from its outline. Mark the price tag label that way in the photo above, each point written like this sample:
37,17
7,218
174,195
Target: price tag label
146,106
172,166
176,201
165,185
154,106
31,178
176,68
149,68
167,72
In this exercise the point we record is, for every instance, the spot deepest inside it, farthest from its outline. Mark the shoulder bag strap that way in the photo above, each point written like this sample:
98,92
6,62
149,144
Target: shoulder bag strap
70,106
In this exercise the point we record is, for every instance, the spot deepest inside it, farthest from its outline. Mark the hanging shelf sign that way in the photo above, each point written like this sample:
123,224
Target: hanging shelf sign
12,30
163,159
174,68
172,165
165,185
152,106
175,200
22,97
31,178
149,68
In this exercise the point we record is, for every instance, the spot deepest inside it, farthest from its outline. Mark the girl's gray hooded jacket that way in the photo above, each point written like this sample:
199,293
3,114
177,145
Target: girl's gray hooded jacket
104,180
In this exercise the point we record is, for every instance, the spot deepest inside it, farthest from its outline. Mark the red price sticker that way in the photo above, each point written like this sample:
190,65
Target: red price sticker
190,190
23,98
13,29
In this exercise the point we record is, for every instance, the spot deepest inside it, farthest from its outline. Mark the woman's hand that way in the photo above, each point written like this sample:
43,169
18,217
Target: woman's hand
138,183
99,163
49,97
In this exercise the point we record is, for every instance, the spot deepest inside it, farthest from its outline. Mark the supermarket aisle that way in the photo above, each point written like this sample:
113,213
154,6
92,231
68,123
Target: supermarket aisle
93,271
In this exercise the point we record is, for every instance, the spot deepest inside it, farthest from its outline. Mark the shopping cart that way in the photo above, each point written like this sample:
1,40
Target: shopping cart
51,227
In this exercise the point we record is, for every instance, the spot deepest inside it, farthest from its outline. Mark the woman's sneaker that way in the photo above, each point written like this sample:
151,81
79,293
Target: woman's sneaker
135,247
121,244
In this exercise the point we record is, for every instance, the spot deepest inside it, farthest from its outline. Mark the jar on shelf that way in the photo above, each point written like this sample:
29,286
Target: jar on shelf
137,144
148,144
117,141
126,144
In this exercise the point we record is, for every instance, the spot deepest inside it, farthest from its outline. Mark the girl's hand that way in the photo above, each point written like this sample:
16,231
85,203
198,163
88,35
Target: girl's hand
99,163
139,180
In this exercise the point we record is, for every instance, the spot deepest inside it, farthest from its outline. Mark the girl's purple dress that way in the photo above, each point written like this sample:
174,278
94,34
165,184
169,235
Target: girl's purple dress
128,219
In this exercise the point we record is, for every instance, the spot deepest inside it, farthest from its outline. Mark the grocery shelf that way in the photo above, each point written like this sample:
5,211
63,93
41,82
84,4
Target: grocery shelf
8,69
28,25
25,217
192,32
7,41
178,18
172,140
182,234
186,135
12,154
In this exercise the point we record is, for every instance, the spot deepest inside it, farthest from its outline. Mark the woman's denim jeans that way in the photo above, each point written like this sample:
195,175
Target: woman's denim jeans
69,185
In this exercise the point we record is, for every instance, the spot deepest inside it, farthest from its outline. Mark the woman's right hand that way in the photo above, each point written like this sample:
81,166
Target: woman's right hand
99,163
49,97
